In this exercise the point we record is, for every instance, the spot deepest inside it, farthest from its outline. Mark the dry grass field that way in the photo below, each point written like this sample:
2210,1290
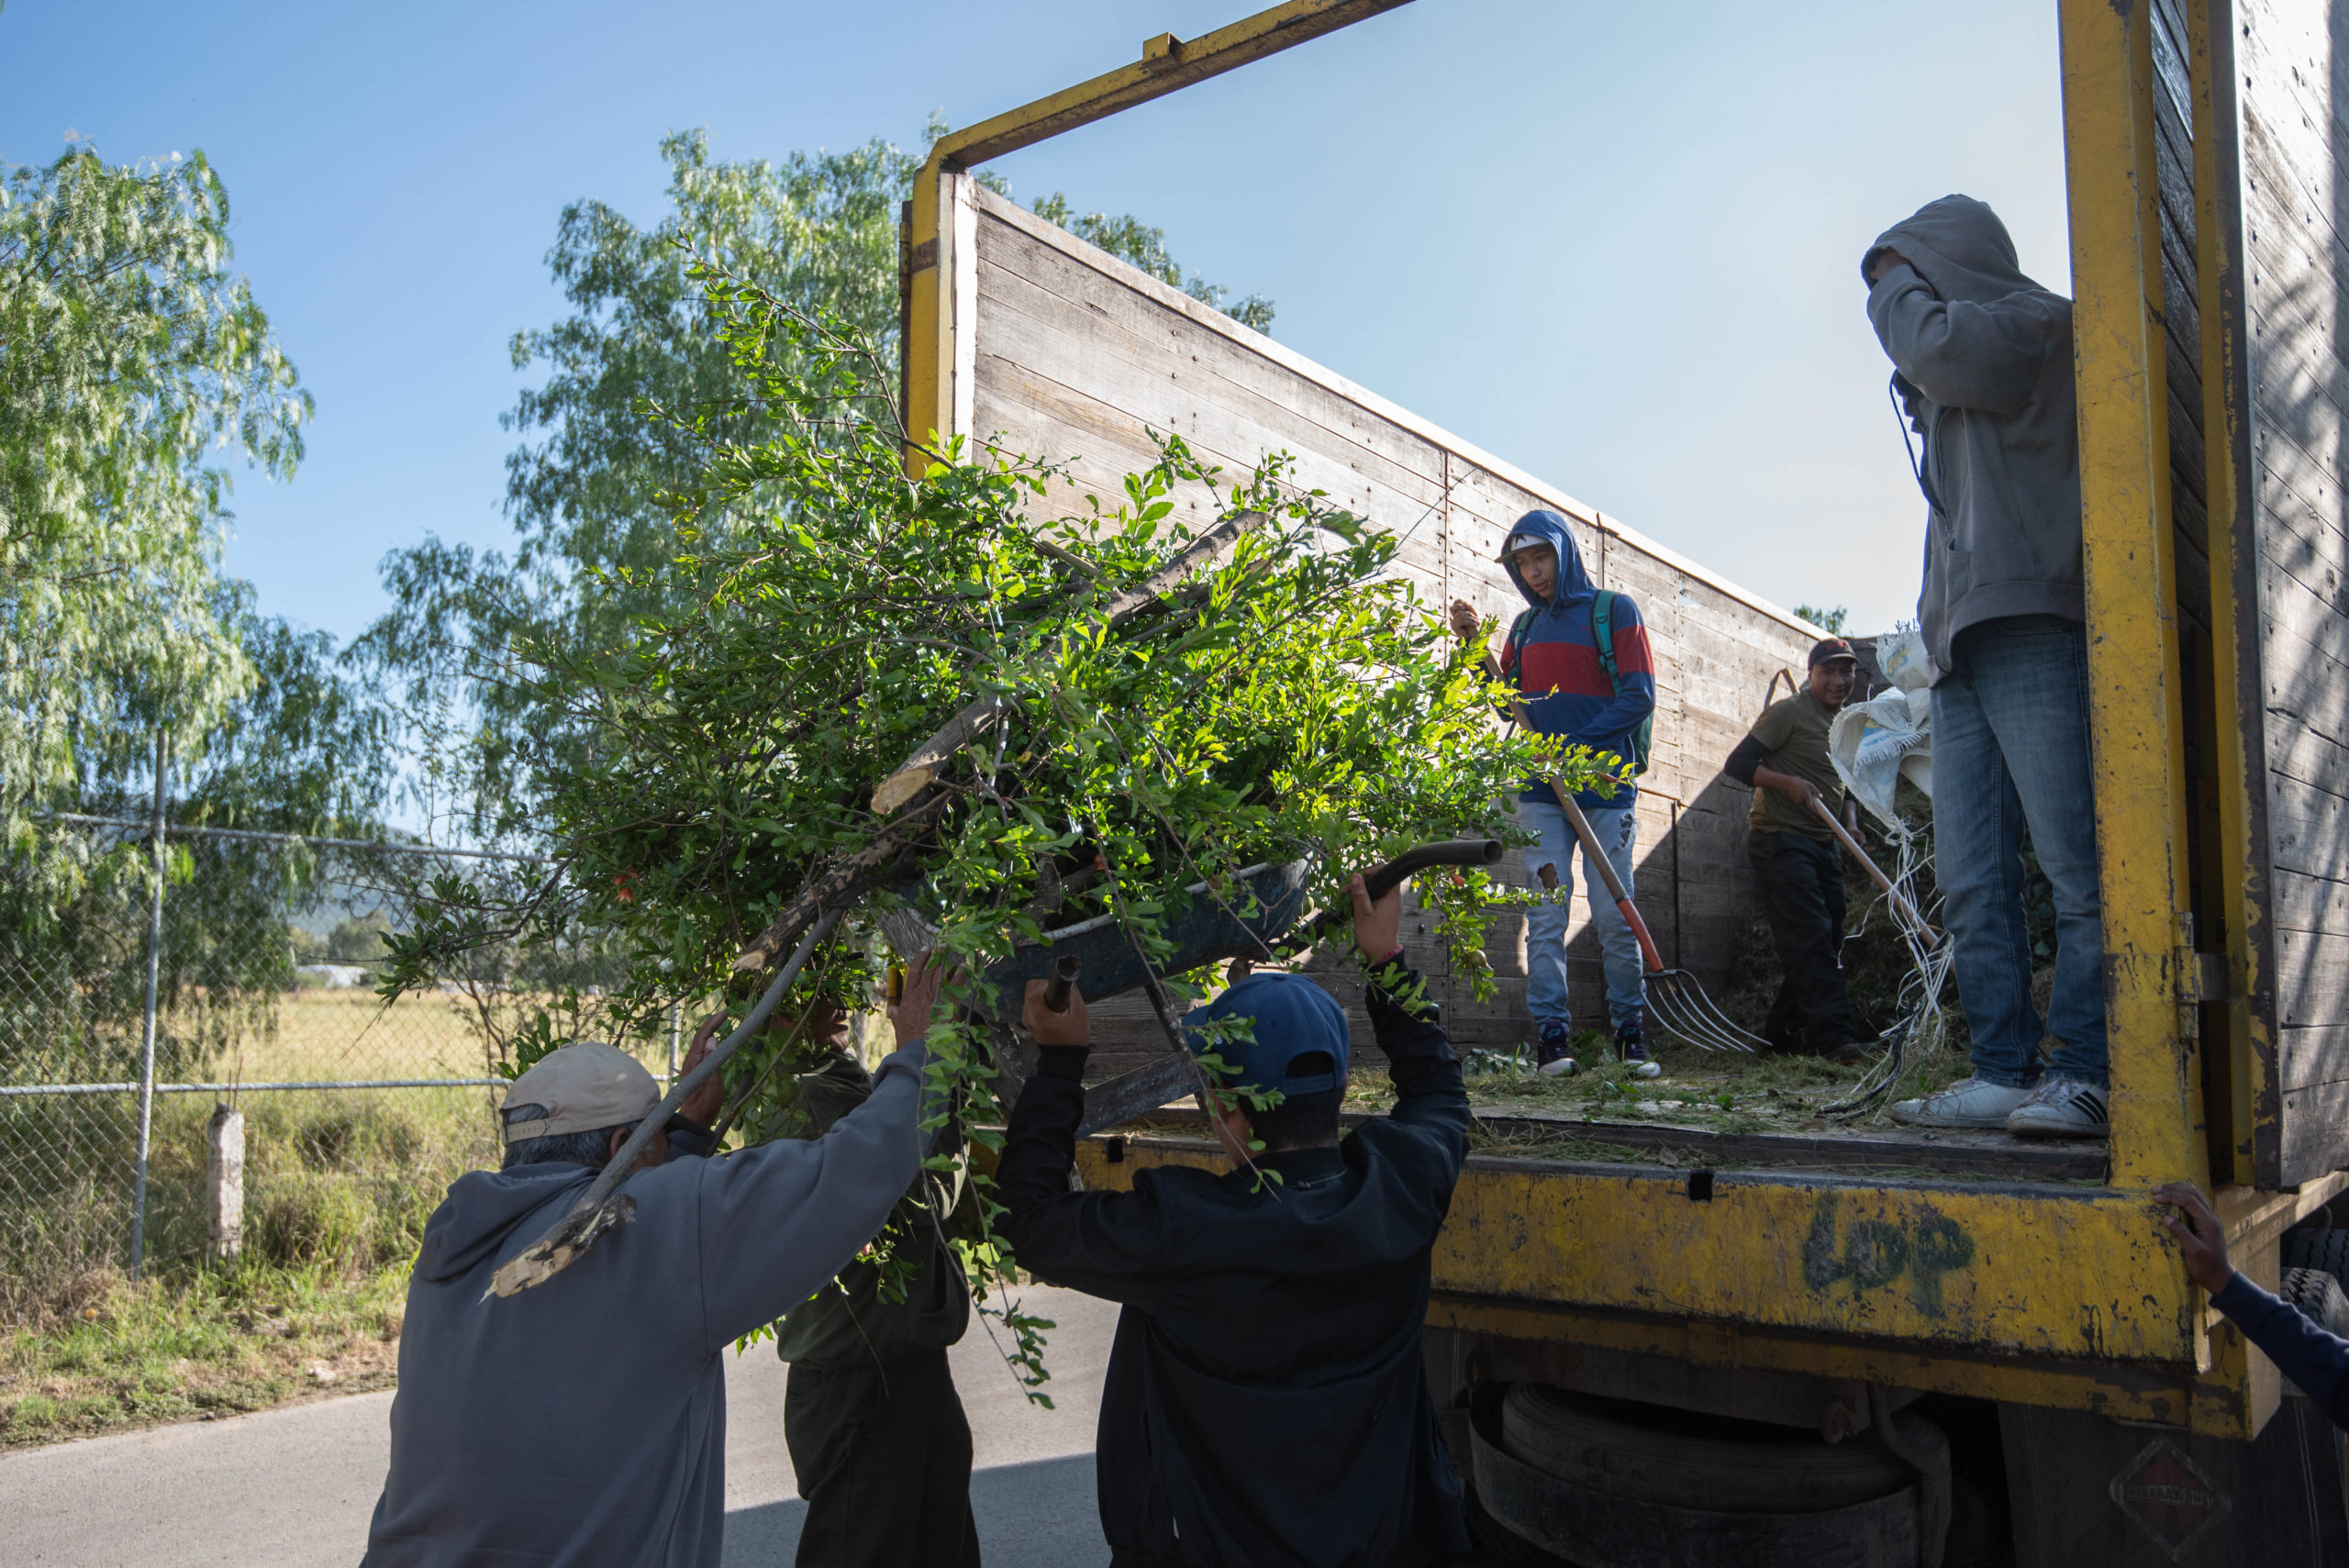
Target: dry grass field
338,1186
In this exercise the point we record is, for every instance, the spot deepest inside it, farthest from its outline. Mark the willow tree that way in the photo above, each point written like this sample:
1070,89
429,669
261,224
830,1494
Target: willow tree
134,359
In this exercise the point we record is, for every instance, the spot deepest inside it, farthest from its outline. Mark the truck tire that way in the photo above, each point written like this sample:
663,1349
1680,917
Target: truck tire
2311,1247
2318,1294
1596,1526
1661,1455
1497,1546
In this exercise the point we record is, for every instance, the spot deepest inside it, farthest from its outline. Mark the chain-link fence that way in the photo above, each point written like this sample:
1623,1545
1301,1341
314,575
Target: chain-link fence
141,989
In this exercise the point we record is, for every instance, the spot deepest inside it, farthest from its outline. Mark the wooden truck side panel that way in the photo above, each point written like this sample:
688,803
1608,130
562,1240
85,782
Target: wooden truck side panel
2293,215
2276,392
2063,1296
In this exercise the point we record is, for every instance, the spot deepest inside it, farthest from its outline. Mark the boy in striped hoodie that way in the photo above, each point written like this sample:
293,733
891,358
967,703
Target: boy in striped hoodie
1579,659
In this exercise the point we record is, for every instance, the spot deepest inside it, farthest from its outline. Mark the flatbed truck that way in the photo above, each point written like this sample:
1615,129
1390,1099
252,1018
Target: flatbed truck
2085,1406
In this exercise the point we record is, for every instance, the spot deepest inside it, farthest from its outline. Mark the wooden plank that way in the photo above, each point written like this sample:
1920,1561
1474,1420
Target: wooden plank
2313,759
2305,681
2304,902
1106,338
1872,1149
2314,1115
1102,317
2288,63
2300,390
1215,417
2299,506
2311,988
2308,830
1885,1149
2312,1056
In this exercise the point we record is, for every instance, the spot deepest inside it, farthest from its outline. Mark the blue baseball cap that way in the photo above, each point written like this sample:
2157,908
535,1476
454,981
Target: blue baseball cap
1294,1016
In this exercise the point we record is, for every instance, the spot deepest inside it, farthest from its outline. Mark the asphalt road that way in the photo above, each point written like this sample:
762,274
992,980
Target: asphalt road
295,1487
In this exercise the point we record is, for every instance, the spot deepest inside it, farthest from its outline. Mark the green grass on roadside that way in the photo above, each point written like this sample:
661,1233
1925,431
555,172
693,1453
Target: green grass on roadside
337,1191
199,1344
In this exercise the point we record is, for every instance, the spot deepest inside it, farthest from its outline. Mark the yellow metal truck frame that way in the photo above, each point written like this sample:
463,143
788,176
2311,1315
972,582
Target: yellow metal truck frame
2051,1294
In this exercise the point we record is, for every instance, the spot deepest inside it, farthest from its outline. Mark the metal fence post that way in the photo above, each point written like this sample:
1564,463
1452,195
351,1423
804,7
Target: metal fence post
147,1035
676,1021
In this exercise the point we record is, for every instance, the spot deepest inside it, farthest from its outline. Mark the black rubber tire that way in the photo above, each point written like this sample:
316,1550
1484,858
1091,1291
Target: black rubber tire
2310,1248
1497,1546
2319,1297
1979,1533
1661,1455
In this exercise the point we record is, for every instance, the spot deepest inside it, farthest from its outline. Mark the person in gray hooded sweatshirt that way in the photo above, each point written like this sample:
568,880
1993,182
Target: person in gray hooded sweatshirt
582,1423
1983,370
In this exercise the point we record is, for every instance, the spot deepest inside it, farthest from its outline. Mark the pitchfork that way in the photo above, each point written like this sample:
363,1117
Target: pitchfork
1674,996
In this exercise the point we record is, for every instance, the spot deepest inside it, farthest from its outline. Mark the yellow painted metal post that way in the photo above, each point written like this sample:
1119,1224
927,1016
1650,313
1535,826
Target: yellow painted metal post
929,347
1168,64
2135,723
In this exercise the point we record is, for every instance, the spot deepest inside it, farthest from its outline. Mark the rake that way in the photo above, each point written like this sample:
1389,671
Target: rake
1676,998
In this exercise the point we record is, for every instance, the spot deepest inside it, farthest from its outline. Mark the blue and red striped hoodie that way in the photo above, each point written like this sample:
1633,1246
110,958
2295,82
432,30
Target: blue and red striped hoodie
1554,662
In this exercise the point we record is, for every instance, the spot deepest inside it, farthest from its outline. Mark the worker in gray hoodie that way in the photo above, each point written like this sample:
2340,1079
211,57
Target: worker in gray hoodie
583,1423
1982,357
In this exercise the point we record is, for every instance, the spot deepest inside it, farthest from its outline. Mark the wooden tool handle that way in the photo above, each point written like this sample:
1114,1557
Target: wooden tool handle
1907,911
1615,889
1591,851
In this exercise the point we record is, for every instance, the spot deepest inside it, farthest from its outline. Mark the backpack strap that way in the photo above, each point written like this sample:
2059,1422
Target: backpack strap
1516,646
1602,635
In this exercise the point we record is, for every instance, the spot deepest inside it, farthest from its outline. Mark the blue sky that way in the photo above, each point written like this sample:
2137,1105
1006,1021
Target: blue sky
1616,245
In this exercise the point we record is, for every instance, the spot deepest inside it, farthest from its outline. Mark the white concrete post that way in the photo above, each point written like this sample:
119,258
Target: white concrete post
224,1183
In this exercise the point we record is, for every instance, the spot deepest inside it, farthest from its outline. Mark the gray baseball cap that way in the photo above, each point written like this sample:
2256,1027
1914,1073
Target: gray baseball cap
579,1087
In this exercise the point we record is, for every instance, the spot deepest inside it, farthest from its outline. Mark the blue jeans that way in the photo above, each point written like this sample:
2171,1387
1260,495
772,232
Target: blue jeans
2010,751
1546,923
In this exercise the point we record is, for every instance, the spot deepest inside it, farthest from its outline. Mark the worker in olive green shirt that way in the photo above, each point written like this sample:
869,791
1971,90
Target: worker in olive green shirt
1798,865
875,1428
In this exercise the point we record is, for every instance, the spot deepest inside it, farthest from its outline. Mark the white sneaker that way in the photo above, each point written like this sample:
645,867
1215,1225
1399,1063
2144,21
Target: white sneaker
1969,1102
2062,1107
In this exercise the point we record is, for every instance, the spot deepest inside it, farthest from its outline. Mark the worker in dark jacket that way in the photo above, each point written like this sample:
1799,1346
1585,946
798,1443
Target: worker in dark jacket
2315,1359
1798,863
1266,1402
1982,357
584,1422
879,1445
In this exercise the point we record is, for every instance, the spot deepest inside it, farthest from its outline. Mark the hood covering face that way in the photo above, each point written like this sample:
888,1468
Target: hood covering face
1574,586
1959,246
